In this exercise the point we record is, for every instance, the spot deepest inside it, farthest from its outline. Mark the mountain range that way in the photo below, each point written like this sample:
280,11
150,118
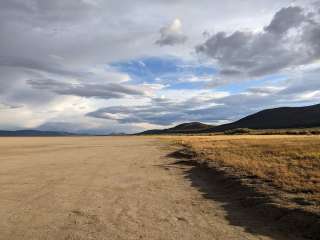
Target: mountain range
192,127
276,118
33,133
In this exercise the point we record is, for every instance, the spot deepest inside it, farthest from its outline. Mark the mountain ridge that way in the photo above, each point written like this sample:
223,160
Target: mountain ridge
189,127
272,118
32,132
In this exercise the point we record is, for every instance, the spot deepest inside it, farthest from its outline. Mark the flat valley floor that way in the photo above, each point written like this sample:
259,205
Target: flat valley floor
62,188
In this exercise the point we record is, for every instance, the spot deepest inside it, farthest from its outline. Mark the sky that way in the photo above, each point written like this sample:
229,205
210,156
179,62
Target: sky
105,66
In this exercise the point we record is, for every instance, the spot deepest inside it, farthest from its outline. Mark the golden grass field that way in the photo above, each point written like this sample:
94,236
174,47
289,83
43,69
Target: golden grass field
290,163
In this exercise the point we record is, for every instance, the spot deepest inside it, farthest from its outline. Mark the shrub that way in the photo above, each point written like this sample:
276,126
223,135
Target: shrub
237,131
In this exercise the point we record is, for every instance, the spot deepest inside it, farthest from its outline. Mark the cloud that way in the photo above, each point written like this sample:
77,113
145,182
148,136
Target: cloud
162,111
265,90
168,113
66,50
219,108
44,66
286,19
8,106
104,91
289,41
172,34
40,13
303,82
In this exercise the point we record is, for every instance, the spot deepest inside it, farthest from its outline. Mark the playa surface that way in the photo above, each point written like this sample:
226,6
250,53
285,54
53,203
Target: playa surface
107,188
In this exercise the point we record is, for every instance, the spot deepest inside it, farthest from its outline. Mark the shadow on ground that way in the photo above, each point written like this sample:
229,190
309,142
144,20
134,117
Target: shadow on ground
244,205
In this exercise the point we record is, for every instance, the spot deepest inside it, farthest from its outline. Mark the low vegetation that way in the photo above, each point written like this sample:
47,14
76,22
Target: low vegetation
288,163
294,131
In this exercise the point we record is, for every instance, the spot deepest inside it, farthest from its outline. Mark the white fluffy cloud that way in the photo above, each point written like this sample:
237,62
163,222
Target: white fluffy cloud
172,34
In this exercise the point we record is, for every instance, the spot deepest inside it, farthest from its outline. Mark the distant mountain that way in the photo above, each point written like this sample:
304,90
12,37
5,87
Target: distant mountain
114,134
192,127
276,118
33,133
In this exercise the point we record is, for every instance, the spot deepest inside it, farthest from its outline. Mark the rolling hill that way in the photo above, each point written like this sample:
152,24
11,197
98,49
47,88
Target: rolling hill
276,118
192,127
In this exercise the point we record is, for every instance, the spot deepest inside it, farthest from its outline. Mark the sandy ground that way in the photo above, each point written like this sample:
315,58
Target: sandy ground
107,188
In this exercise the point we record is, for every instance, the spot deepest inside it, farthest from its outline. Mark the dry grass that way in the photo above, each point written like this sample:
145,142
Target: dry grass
290,163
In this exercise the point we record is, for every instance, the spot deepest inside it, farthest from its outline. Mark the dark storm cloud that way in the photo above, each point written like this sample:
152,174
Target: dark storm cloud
290,40
104,91
285,19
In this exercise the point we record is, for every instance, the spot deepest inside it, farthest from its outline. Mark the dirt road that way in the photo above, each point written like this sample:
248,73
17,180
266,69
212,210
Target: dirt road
107,188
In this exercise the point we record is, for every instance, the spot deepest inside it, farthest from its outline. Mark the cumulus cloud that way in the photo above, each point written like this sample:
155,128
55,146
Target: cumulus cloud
172,34
104,91
285,19
290,40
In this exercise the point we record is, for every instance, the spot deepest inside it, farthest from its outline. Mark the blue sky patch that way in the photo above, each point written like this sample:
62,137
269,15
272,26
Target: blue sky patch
170,71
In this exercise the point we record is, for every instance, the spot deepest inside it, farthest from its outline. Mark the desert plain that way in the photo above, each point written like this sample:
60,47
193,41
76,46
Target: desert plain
114,188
